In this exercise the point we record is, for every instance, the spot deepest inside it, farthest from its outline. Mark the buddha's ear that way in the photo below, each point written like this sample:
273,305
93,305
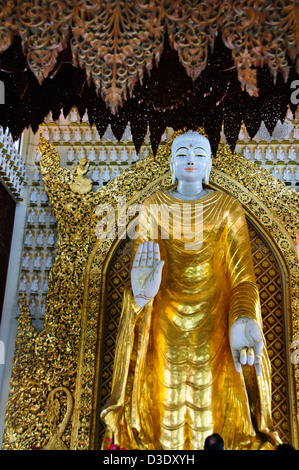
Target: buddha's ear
172,171
208,171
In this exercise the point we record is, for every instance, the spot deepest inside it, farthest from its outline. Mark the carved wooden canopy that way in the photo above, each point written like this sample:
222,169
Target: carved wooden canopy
149,62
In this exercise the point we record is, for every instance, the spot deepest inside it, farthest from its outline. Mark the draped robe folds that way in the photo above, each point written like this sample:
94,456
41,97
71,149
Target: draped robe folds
174,379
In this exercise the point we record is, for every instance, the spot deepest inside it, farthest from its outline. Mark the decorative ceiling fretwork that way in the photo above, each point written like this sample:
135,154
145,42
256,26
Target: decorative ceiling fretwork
158,56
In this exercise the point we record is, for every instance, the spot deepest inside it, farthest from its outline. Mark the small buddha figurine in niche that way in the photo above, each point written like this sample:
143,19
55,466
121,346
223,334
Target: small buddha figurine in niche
190,356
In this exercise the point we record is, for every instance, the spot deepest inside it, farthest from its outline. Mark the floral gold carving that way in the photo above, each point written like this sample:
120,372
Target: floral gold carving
67,352
53,412
117,42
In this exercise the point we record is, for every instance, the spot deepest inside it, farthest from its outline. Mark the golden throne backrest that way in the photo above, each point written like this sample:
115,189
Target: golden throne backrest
269,280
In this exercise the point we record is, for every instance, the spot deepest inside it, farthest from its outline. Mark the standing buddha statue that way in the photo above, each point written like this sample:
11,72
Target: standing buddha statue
190,357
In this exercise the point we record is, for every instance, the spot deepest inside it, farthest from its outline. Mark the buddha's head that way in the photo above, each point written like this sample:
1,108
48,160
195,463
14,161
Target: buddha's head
190,158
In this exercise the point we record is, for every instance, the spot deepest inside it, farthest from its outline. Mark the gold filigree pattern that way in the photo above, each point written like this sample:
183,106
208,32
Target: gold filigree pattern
68,351
116,42
53,413
270,287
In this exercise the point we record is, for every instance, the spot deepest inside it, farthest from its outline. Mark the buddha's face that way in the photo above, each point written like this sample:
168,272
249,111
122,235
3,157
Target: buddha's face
190,161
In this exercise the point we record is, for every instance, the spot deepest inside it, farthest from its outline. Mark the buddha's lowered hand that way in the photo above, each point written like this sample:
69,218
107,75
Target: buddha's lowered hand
246,343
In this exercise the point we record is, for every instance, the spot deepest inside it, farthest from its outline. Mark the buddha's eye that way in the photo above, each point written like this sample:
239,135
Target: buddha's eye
181,155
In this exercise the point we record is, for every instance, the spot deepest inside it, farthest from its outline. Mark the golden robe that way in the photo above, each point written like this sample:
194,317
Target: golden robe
174,380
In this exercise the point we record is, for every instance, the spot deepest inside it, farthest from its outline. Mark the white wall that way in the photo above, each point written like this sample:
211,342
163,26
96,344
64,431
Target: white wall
8,326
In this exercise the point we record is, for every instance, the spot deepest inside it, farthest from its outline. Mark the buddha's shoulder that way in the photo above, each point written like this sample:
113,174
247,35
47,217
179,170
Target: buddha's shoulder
224,197
228,205
227,199
154,198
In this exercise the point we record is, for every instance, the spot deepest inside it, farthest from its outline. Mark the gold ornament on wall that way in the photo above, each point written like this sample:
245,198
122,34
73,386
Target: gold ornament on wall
79,184
53,414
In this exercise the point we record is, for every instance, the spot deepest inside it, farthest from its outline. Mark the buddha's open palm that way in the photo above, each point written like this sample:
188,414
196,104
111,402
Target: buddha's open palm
146,273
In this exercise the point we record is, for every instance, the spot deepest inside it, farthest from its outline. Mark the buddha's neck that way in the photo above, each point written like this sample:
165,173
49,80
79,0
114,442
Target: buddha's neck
186,189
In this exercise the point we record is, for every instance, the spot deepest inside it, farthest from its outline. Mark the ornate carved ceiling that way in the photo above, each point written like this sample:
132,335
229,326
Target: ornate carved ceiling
156,62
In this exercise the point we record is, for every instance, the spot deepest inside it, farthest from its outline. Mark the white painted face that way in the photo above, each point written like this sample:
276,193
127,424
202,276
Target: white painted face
190,161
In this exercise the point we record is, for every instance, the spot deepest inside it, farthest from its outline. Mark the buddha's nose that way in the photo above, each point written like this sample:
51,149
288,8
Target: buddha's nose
191,159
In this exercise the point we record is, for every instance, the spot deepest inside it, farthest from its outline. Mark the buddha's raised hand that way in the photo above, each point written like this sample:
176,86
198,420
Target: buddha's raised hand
146,273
